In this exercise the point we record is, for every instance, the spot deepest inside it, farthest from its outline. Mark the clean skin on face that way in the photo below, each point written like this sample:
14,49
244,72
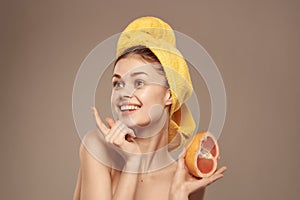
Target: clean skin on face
139,95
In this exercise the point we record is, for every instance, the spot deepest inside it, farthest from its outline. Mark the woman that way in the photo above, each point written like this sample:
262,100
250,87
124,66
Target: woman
129,158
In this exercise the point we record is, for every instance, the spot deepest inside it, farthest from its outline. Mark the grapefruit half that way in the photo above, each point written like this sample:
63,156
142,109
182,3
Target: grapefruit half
202,154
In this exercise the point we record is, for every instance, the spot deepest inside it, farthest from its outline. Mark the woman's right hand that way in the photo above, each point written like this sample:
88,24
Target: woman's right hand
118,135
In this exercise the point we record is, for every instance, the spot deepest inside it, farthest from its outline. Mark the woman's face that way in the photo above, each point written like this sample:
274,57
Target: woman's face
139,95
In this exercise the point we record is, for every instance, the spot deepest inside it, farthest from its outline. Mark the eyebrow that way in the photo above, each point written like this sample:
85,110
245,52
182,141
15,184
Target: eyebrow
116,75
133,74
138,73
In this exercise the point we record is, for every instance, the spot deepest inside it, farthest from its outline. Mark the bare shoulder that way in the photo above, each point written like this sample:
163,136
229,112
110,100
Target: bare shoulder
94,168
94,143
93,138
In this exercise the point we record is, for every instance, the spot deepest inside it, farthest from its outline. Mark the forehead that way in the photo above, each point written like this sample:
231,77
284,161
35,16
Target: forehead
134,63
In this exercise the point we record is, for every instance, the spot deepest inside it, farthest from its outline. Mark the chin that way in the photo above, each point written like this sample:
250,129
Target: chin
132,123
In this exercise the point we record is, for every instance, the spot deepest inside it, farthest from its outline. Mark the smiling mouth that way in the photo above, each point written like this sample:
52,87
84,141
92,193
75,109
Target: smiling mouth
129,108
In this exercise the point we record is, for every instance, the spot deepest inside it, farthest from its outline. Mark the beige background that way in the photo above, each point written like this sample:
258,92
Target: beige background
255,44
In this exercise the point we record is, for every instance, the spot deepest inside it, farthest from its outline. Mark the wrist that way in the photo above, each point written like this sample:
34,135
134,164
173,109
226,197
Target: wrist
133,163
178,193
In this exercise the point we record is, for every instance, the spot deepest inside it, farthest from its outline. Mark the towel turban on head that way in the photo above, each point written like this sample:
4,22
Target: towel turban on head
159,37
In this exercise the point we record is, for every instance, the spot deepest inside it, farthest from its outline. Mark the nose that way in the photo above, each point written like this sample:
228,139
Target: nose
127,92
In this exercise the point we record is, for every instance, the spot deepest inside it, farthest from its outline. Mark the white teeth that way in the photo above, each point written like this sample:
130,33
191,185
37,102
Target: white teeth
128,107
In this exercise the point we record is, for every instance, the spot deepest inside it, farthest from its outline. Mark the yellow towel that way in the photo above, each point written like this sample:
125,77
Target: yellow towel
159,37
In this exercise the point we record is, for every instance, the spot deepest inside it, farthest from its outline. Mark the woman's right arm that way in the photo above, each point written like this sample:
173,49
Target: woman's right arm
95,179
115,136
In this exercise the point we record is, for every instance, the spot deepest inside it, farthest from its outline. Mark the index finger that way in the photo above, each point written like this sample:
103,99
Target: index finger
110,122
180,161
99,122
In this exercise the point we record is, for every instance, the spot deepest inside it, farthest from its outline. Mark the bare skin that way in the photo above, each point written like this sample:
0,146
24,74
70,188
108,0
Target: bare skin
99,180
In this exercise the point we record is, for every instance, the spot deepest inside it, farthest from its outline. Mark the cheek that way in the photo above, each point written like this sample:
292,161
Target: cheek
114,97
147,96
154,94
155,112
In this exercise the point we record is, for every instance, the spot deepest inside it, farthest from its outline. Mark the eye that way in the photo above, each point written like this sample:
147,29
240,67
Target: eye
139,83
118,84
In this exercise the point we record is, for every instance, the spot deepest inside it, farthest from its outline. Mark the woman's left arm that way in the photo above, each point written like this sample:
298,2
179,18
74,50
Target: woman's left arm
184,185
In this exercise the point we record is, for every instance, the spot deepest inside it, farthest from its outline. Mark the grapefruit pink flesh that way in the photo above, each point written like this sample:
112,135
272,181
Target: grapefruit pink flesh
208,150
205,165
202,155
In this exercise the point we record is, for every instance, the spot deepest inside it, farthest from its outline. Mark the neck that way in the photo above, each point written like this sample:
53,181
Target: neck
154,136
155,154
154,148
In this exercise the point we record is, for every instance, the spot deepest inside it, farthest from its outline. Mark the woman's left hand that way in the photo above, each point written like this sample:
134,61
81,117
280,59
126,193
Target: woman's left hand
184,183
